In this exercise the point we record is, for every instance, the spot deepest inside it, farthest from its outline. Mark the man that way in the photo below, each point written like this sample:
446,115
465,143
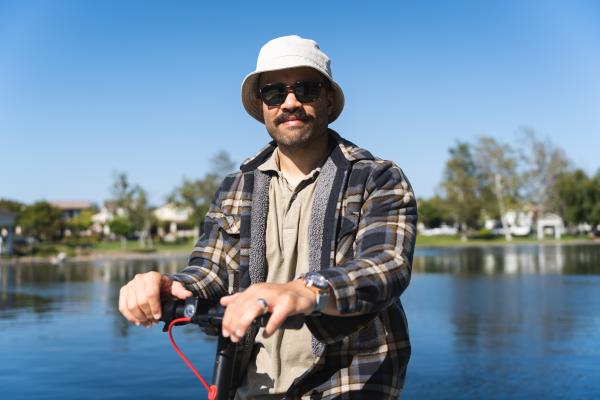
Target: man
311,225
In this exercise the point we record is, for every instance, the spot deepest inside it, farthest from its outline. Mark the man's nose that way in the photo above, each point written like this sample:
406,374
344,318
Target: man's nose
291,102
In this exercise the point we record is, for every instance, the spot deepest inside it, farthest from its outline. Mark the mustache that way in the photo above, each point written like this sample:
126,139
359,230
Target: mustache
297,113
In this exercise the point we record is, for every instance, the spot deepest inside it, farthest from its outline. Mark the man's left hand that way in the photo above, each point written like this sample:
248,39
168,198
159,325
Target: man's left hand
282,299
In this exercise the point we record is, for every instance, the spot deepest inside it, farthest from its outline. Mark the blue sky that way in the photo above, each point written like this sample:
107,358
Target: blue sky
152,88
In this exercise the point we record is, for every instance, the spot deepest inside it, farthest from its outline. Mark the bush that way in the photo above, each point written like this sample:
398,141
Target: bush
483,234
146,250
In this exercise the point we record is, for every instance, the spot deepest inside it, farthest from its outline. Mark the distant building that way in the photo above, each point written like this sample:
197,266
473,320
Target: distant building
7,226
174,216
107,213
442,230
73,208
518,223
551,225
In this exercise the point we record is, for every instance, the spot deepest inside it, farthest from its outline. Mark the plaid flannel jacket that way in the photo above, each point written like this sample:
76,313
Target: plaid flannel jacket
363,231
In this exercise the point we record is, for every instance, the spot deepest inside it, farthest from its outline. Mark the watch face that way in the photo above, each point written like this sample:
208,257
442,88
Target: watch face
317,280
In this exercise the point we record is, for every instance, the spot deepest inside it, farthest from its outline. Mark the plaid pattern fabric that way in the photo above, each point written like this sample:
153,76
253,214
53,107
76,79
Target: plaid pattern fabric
368,263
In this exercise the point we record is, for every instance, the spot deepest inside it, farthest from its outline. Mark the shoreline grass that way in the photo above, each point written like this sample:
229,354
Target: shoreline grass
455,240
133,248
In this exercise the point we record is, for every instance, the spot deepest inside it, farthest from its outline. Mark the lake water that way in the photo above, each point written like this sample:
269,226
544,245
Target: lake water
486,323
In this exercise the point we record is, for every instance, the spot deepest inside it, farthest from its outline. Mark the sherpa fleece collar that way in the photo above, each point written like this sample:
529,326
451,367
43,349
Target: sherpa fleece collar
343,154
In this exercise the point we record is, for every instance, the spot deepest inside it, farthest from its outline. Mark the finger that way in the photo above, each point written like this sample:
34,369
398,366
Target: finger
226,300
179,291
137,315
247,317
142,301
233,310
123,304
226,328
275,321
152,289
281,311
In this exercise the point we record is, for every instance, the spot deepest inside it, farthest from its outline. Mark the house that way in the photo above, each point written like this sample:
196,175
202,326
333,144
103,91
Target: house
550,224
442,230
173,216
7,224
72,208
107,213
518,223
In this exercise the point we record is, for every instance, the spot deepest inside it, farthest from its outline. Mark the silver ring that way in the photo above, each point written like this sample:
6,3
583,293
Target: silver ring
264,304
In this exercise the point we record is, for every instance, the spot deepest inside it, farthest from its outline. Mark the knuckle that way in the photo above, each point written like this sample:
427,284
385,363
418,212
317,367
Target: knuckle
247,319
152,275
286,299
151,291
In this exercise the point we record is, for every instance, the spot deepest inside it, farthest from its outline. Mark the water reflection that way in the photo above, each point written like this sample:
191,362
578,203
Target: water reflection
510,259
109,270
494,323
10,303
62,288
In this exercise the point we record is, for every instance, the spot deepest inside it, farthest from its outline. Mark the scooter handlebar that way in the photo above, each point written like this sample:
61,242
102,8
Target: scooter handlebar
209,315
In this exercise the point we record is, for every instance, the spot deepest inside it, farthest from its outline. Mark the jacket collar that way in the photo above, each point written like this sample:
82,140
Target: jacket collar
344,153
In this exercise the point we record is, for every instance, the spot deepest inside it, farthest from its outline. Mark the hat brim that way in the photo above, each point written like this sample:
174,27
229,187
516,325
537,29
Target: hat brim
253,104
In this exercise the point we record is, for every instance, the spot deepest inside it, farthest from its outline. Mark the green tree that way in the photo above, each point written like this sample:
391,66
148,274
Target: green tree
134,200
543,164
197,194
13,206
572,197
434,212
80,222
41,220
496,164
594,201
122,227
460,185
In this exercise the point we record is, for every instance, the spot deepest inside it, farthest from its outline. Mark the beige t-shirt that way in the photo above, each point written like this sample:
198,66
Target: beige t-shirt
287,354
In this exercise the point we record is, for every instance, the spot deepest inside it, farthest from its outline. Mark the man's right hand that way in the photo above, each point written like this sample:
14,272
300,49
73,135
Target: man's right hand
139,299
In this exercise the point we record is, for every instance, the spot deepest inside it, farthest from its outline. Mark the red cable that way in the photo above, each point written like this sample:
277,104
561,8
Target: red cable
212,389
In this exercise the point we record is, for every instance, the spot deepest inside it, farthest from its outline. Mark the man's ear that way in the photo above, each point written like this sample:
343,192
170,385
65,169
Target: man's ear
330,101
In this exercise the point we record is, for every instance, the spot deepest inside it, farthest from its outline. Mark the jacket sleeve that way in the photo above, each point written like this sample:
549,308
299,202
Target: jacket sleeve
215,253
383,248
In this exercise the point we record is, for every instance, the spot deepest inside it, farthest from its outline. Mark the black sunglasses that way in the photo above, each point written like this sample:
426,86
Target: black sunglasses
274,94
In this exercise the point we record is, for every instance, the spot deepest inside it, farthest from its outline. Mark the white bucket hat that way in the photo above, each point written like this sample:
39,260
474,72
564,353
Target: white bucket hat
283,53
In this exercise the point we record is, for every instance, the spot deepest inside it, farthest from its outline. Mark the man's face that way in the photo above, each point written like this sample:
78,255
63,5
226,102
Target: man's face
294,124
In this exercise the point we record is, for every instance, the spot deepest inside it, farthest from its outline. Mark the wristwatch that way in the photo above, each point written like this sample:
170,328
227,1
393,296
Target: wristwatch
320,286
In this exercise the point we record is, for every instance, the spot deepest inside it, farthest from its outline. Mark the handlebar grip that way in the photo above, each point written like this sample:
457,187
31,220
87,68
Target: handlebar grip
209,315
292,322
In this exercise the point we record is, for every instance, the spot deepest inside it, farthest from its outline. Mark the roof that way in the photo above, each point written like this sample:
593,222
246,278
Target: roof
73,204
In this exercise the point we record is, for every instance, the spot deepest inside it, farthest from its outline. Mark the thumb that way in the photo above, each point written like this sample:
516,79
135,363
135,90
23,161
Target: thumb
179,291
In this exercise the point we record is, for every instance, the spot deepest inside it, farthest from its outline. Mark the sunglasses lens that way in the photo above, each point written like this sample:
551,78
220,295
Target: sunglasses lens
305,92
273,95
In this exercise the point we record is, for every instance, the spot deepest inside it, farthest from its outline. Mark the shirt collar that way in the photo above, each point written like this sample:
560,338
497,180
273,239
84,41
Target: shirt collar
271,164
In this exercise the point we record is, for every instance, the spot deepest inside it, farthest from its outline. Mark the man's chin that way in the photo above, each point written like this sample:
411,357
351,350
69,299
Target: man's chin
293,137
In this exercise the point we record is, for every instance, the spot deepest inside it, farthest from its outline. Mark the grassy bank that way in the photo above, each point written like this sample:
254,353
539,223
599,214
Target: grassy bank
47,252
134,246
115,249
447,241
